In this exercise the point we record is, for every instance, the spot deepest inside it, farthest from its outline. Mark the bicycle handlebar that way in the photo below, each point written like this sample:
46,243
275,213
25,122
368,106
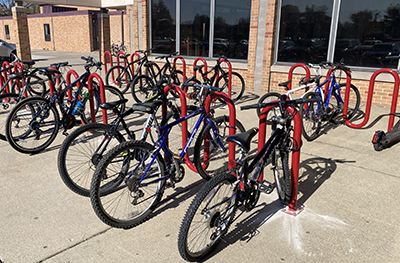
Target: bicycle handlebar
212,88
275,103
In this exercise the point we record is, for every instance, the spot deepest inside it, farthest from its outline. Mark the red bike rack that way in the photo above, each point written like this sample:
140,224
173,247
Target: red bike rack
195,64
292,207
18,68
183,65
68,80
107,53
369,99
132,66
298,65
102,96
5,75
232,120
229,75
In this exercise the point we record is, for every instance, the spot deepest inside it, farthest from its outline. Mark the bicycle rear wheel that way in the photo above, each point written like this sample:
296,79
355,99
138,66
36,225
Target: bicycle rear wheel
7,103
120,196
311,117
32,125
336,105
120,77
209,158
208,218
142,88
237,88
81,152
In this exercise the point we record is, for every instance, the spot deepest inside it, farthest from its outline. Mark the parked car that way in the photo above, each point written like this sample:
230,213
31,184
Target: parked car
382,54
6,49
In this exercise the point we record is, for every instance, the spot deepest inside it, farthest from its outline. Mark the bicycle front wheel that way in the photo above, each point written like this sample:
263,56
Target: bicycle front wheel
208,218
142,88
32,125
128,184
280,168
209,158
237,87
311,114
81,152
120,77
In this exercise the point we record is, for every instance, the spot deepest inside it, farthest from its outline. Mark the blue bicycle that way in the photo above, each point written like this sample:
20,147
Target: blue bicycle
130,180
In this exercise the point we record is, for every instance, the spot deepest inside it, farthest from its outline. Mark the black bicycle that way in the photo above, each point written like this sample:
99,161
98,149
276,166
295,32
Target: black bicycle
213,209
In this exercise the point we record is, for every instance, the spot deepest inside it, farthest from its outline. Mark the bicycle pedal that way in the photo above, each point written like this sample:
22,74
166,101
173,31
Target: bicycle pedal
169,185
266,187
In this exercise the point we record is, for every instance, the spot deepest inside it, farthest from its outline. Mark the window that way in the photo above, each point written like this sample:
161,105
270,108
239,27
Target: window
7,30
47,32
368,33
225,22
365,33
304,30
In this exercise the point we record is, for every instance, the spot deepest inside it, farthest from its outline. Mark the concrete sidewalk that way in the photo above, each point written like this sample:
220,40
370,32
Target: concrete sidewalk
348,191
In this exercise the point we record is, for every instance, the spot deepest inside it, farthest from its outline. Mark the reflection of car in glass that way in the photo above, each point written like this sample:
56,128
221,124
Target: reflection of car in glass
6,49
380,54
164,45
304,50
241,49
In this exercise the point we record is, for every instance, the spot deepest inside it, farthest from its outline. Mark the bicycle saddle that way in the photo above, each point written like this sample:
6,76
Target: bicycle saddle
243,139
147,107
284,84
113,104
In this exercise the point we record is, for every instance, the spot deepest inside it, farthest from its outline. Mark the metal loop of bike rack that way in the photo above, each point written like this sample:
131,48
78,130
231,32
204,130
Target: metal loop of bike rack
18,68
5,75
105,54
58,83
369,100
102,96
135,54
292,208
229,75
232,120
68,81
297,65
195,64
183,65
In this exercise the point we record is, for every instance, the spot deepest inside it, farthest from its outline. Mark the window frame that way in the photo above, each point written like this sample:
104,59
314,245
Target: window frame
7,31
47,37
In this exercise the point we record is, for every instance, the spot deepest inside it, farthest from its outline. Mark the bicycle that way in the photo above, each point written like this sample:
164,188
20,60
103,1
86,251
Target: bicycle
83,149
130,180
32,85
214,206
123,75
331,106
33,123
115,49
142,87
220,78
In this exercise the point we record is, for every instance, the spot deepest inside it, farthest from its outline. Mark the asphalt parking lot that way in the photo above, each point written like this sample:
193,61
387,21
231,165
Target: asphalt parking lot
348,191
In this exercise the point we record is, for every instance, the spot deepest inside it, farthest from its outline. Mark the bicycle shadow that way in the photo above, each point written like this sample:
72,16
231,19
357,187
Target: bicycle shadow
313,173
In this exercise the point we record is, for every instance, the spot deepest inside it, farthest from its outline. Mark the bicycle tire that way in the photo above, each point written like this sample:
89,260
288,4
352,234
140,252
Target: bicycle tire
77,158
122,78
337,116
7,103
37,89
208,218
268,97
17,134
212,166
282,174
151,69
118,161
237,88
311,117
142,88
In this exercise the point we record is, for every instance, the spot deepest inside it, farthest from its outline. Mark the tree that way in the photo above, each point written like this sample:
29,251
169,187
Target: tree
6,5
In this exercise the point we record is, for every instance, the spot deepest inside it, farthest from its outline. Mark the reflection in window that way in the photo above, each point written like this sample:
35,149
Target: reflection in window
231,28
163,33
304,30
195,27
368,33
